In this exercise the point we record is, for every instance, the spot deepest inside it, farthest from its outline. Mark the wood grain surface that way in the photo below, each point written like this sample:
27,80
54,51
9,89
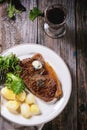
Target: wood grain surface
72,48
81,40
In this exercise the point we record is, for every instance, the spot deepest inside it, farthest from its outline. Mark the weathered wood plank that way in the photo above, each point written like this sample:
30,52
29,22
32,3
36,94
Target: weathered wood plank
2,13
81,18
22,30
66,48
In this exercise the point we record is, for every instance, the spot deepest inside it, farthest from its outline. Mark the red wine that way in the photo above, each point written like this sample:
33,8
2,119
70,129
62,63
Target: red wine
55,15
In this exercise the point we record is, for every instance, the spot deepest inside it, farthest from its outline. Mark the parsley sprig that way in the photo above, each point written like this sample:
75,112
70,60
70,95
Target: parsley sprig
11,10
14,7
10,71
15,83
34,13
10,63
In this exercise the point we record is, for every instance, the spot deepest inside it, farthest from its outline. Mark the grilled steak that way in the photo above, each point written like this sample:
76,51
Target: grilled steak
40,78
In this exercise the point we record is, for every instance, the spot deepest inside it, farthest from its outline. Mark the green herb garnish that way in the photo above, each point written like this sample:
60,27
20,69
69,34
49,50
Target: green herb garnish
35,12
10,72
11,10
15,83
10,63
14,7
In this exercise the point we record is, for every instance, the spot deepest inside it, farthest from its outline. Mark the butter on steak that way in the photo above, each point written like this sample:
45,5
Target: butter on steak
43,81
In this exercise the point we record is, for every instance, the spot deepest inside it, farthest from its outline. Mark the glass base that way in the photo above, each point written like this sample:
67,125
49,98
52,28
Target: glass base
53,33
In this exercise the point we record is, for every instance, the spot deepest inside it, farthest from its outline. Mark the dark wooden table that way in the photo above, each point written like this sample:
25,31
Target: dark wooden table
72,48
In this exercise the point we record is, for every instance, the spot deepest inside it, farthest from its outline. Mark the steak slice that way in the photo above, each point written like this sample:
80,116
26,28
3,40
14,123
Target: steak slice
42,82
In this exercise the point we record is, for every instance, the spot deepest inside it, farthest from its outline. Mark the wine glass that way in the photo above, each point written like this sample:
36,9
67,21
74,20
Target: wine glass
55,21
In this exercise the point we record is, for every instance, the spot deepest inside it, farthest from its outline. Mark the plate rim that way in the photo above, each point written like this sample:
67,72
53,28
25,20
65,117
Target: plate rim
69,74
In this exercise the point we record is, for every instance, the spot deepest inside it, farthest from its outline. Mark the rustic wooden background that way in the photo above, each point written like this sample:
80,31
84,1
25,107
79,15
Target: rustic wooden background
72,48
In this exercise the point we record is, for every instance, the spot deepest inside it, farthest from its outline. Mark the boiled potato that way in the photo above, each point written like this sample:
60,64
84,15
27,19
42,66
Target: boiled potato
21,97
25,110
30,99
7,93
35,109
12,106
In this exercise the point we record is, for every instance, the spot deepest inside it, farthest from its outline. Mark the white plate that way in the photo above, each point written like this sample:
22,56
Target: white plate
49,111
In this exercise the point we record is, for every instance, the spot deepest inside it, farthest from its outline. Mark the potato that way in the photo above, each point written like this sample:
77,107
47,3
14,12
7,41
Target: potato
12,106
30,99
21,97
7,93
35,109
25,110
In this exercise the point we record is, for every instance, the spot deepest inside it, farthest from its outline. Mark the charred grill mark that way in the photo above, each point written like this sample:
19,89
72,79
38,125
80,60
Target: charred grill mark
40,83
